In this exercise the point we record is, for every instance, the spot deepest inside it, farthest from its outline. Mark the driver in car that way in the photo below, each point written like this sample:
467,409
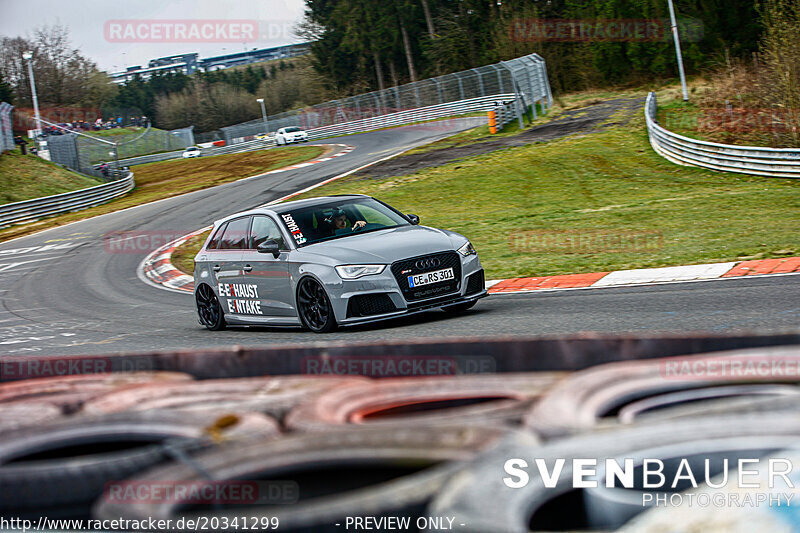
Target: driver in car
339,222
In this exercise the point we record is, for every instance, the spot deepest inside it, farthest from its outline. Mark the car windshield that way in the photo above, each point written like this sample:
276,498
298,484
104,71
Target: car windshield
338,219
290,130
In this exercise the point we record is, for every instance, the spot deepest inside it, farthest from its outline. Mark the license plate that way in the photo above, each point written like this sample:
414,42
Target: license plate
430,277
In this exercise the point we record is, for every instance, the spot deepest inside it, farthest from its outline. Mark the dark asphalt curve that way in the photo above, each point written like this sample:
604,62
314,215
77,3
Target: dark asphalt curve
63,292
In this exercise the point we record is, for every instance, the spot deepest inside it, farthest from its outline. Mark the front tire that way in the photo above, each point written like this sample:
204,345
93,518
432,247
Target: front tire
208,309
314,306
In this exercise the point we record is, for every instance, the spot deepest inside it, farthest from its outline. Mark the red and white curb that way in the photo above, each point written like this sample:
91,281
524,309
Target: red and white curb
157,268
647,276
345,149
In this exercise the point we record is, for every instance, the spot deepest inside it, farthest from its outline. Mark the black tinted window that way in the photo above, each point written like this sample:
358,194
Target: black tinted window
213,244
264,229
236,235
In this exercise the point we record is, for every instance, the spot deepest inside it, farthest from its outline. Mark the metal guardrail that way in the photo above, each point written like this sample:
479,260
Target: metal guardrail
166,156
461,107
410,116
29,210
756,160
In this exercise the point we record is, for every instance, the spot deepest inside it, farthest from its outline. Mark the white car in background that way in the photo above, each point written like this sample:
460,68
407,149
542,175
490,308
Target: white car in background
192,151
292,134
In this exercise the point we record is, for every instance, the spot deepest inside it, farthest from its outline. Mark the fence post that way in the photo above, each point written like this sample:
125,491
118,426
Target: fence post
480,81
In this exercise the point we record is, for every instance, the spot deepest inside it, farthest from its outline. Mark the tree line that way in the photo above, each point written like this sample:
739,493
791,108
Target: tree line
368,44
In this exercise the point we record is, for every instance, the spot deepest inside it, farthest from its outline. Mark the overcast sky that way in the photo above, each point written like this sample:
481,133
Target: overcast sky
90,25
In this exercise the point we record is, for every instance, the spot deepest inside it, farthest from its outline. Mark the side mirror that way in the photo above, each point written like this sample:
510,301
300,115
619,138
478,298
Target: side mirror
270,247
414,219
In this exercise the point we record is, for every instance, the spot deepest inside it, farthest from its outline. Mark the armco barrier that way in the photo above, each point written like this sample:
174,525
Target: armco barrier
470,355
28,210
757,160
400,118
461,107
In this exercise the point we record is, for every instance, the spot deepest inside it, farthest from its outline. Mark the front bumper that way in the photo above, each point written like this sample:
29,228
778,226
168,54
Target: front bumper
439,302
341,291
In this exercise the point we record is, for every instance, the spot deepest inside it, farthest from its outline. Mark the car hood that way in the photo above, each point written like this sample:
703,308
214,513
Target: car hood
386,246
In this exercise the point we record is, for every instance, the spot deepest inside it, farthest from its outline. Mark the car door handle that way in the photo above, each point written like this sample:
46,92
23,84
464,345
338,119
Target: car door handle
247,268
216,268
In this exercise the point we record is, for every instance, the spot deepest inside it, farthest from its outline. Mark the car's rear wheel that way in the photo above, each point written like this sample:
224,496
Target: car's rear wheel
314,306
208,309
459,308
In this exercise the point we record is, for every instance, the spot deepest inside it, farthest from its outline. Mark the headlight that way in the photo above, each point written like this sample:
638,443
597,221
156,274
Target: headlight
357,271
467,250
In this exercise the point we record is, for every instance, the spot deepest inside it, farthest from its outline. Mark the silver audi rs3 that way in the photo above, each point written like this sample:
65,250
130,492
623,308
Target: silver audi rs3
325,262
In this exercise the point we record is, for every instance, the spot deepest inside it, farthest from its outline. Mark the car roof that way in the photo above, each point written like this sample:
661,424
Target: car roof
278,209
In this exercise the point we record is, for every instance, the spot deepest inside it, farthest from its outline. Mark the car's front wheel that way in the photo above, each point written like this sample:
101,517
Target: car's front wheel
208,309
314,306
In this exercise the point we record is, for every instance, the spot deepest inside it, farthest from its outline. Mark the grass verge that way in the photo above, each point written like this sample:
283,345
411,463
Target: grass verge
171,178
23,177
183,256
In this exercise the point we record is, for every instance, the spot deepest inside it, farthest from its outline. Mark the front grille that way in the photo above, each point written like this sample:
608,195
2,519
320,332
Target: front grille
475,283
410,267
369,304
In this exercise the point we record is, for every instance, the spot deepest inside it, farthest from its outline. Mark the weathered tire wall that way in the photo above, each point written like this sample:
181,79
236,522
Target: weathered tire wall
376,445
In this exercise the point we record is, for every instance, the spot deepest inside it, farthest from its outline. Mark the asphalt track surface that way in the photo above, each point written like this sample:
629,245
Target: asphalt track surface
84,299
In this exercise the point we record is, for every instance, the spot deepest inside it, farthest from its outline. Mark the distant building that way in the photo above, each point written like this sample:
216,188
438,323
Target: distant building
189,63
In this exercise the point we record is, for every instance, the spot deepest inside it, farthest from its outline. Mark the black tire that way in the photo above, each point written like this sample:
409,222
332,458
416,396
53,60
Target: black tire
69,393
66,464
314,306
459,308
614,393
393,473
208,308
416,401
274,396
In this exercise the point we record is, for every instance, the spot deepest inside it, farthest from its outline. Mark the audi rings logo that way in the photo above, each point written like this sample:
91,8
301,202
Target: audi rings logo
431,262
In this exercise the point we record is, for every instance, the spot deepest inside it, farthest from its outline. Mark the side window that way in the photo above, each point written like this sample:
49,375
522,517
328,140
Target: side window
264,229
213,244
236,235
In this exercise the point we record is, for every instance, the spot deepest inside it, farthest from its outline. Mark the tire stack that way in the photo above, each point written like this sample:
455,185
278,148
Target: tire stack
423,448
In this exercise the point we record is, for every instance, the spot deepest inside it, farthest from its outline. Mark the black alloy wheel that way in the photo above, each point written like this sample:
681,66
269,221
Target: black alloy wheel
314,307
208,309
